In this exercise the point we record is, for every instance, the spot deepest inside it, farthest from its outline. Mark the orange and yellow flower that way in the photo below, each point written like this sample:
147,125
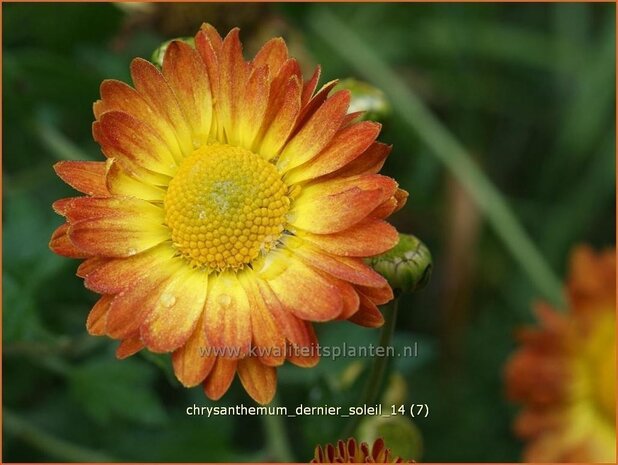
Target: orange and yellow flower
235,207
565,372
351,452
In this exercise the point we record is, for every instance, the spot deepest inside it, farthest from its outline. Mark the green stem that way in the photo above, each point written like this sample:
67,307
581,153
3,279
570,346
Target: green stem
444,146
276,436
376,376
57,448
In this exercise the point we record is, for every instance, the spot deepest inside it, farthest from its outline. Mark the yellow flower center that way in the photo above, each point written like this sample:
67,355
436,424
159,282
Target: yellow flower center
224,206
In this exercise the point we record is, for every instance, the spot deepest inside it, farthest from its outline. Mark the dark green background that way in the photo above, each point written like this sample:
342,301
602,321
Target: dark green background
527,88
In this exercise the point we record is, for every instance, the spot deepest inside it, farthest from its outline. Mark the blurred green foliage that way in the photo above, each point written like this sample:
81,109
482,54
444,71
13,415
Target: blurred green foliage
528,89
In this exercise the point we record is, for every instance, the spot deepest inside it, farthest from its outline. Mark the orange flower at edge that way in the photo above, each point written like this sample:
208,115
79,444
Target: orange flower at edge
564,374
235,207
351,452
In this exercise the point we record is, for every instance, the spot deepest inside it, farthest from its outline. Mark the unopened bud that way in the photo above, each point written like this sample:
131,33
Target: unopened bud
407,266
159,53
366,98
400,433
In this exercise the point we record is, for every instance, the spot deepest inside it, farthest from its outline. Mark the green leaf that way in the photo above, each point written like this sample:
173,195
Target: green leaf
164,363
110,389
19,318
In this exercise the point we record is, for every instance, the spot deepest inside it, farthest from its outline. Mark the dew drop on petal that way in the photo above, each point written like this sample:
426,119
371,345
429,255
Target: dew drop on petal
131,251
167,300
199,140
224,299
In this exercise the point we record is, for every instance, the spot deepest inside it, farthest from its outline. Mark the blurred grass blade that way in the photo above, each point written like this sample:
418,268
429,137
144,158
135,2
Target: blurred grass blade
58,144
591,197
277,436
16,426
450,38
588,112
444,146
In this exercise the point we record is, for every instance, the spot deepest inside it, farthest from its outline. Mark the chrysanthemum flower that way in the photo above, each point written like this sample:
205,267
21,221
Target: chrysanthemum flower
235,207
351,452
565,372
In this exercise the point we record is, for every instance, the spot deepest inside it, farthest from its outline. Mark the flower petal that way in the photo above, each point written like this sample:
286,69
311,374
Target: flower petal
116,237
350,298
128,347
390,205
136,143
115,227
401,197
233,74
118,96
369,162
351,118
378,295
97,318
117,275
268,339
316,133
272,54
368,314
130,308
346,268
89,265
301,349
187,75
310,86
120,182
259,380
220,378
336,205
309,107
175,315
280,117
253,107
191,363
155,90
294,329
346,145
228,315
86,208
294,286
209,50
365,239
305,355
61,206
213,36
61,244
87,177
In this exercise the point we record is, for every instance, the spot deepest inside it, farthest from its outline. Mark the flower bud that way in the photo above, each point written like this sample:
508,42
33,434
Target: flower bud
400,433
159,53
407,266
366,98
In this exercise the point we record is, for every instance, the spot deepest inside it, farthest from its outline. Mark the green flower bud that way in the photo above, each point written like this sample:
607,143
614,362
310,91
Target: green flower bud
407,266
367,98
159,53
401,434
